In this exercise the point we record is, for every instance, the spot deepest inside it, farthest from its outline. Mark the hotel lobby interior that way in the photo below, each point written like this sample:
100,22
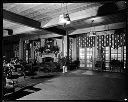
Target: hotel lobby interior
65,51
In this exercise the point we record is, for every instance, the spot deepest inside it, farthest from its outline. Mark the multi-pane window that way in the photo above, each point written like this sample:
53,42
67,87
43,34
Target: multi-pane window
107,57
82,57
89,57
113,53
124,56
26,52
119,54
109,47
125,53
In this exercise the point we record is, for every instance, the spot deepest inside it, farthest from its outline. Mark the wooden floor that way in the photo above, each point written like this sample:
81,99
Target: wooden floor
74,85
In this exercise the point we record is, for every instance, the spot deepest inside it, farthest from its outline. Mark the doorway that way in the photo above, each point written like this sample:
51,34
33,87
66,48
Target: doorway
86,57
82,57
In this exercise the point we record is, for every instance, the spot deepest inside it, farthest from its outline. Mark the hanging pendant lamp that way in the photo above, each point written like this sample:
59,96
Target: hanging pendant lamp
64,18
92,33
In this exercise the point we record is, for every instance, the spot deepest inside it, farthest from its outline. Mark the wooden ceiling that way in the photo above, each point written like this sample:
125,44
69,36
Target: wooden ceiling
44,13
41,12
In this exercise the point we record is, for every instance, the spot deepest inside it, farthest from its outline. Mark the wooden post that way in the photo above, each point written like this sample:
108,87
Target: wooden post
67,49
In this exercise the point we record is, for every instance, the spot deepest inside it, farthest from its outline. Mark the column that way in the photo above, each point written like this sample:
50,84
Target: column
32,50
66,46
21,49
74,49
95,53
63,46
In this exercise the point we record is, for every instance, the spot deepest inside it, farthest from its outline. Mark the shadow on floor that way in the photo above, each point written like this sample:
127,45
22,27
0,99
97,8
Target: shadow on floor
27,87
21,93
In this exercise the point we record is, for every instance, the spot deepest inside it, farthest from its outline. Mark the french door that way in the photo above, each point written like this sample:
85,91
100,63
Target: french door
82,57
97,52
89,58
86,57
110,53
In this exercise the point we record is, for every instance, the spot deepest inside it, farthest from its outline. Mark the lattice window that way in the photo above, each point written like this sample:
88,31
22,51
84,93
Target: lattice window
83,40
124,42
16,50
36,45
112,40
77,41
115,41
93,41
102,40
98,40
107,40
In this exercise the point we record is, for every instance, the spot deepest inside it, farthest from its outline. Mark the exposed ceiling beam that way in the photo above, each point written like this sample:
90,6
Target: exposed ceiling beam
94,11
57,30
10,31
100,28
20,19
74,16
29,22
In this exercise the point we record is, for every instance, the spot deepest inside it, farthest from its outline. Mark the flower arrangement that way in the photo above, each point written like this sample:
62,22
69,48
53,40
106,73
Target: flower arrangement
49,47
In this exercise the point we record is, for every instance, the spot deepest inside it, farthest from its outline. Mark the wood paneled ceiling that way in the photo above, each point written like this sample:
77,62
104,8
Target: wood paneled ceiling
41,12
45,13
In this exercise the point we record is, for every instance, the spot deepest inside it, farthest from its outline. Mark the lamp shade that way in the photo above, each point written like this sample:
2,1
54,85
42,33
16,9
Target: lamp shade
92,33
64,19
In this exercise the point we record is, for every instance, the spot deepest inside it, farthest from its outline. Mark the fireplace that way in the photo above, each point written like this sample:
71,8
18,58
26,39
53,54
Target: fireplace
47,59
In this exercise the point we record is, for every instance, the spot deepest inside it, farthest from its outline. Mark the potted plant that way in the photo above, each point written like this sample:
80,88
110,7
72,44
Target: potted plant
64,64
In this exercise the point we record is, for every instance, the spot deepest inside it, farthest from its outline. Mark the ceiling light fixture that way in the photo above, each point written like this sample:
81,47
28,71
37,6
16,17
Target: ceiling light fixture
92,32
64,18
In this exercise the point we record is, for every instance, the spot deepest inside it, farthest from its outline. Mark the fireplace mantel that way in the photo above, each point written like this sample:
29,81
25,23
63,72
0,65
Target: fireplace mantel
48,55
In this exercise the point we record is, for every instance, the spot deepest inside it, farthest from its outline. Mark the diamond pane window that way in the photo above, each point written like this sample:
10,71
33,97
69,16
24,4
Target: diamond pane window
125,57
110,40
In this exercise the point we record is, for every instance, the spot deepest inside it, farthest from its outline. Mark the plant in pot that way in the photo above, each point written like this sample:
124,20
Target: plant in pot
116,64
64,64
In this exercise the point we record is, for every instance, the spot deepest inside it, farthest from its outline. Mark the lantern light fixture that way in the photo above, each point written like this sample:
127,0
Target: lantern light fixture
64,17
92,33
